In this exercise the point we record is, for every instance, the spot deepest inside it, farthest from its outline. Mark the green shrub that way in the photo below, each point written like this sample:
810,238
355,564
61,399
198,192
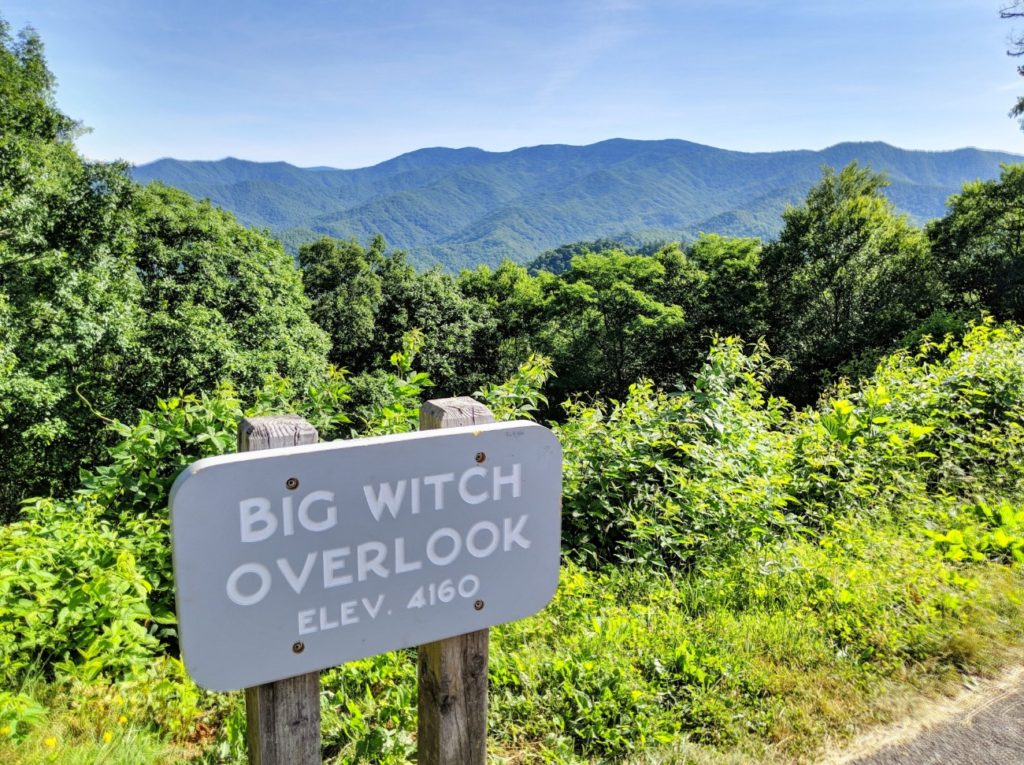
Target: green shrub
665,479
970,394
980,531
670,480
520,396
75,593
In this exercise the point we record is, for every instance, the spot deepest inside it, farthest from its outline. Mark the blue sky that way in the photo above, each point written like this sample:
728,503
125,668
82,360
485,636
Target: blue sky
351,83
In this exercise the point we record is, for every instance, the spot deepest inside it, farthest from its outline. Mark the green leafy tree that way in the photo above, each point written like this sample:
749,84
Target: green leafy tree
68,299
27,107
611,327
979,245
731,299
111,295
368,300
432,303
343,281
846,279
514,321
222,301
717,283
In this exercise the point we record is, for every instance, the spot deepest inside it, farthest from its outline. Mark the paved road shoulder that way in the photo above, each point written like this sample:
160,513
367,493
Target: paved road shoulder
983,725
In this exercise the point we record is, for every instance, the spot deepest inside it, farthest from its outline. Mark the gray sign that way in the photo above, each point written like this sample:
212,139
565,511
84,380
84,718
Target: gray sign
288,561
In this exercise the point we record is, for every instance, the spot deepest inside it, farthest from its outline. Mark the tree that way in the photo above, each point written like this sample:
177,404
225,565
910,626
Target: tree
111,294
69,314
27,106
368,300
221,301
162,295
514,320
559,260
717,283
450,322
732,296
846,279
611,329
1015,10
343,282
979,245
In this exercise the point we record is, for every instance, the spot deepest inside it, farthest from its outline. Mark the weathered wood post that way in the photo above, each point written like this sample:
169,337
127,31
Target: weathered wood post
283,717
452,727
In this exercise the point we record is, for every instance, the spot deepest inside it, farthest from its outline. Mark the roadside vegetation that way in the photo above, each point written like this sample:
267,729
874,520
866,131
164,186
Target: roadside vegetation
792,484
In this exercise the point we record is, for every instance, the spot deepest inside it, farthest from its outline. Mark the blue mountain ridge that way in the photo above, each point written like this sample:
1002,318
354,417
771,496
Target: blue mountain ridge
462,207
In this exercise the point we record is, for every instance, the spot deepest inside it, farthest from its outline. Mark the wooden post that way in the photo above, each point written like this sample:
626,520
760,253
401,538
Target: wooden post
283,718
453,673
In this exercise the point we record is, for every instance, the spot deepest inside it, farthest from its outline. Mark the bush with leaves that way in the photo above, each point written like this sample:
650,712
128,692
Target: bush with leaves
75,593
670,479
980,531
85,582
397,395
970,394
520,396
662,479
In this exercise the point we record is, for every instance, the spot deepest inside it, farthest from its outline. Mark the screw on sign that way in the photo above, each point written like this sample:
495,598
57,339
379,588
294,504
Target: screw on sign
288,561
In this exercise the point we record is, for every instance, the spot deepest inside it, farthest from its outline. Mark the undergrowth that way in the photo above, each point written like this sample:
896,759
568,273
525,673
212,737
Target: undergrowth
739,579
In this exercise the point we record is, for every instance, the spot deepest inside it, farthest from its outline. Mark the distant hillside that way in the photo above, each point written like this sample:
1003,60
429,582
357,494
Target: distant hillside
460,207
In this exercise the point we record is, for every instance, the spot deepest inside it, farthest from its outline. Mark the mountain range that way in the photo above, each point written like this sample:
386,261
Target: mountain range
461,207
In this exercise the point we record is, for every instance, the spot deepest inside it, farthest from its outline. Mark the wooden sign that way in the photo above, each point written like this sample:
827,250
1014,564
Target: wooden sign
287,561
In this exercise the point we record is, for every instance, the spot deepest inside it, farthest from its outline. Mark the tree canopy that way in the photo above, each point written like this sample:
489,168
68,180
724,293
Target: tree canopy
111,294
979,245
846,277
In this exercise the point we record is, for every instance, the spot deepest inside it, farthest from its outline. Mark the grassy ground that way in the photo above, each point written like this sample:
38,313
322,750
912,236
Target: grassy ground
771,657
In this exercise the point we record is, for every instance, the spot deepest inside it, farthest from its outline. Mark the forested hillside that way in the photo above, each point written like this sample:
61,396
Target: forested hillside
793,479
463,207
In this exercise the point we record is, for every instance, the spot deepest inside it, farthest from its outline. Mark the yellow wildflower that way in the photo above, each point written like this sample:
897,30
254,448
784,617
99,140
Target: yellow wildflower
122,720
5,730
107,736
50,741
